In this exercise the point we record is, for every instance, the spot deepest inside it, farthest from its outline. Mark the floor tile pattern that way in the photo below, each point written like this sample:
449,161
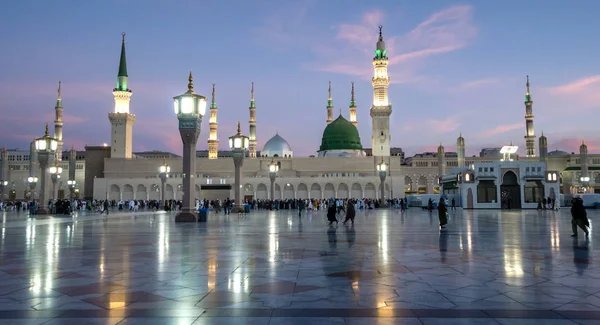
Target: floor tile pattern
487,267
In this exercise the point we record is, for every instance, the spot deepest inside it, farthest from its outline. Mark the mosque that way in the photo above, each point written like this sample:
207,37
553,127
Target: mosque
340,168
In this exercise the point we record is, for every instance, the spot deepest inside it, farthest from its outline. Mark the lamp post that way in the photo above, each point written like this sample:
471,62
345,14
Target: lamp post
382,169
586,181
46,147
55,172
3,185
189,107
32,180
72,183
163,173
273,169
238,144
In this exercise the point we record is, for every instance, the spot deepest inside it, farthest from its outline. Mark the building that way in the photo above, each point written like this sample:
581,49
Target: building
341,166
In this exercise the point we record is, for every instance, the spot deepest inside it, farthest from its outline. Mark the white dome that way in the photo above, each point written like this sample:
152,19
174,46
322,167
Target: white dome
277,146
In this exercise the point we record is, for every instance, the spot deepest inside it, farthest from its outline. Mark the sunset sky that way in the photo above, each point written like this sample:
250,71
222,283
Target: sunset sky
455,67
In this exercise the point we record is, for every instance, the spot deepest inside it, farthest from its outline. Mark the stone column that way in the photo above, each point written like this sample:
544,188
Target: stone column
44,159
382,175
189,128
238,161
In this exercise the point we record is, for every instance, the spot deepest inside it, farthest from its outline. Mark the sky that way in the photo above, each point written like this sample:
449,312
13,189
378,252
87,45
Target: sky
456,67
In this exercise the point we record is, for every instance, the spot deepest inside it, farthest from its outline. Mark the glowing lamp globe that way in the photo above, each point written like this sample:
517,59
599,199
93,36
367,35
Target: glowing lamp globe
164,169
189,104
238,141
382,166
273,167
46,143
32,179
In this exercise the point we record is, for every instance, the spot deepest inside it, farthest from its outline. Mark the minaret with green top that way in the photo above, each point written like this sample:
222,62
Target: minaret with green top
58,124
329,106
213,141
382,108
530,135
353,107
121,119
252,138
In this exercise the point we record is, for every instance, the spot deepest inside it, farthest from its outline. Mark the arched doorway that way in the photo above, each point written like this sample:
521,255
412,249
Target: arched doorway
510,191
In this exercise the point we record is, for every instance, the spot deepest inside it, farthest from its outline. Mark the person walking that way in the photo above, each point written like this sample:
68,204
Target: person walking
453,204
300,207
106,206
350,212
331,212
442,210
579,217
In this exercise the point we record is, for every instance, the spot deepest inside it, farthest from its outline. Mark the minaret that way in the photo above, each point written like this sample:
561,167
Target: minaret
121,120
72,161
441,156
252,137
530,136
460,151
329,106
583,159
58,125
382,109
353,107
213,141
4,167
543,148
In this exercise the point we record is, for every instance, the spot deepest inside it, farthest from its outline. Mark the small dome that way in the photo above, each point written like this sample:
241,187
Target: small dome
558,153
340,135
277,146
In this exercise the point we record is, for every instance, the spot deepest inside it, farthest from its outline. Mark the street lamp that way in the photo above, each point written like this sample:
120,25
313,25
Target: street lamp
3,185
163,173
382,169
586,181
238,144
189,107
55,172
32,180
72,184
273,169
46,147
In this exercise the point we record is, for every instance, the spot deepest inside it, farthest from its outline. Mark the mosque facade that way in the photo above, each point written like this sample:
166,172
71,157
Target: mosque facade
342,168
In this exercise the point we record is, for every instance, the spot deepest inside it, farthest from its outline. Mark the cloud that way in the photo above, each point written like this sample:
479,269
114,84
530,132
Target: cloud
502,129
442,126
283,23
572,144
476,83
584,92
442,32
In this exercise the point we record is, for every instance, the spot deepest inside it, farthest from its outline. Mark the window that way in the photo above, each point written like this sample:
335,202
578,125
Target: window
480,169
485,169
486,192
492,169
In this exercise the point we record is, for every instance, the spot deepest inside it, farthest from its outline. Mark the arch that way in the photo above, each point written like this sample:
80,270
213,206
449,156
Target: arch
154,193
262,193
510,178
343,192
329,191
302,191
140,192
408,184
370,192
315,191
422,184
248,190
127,192
288,191
356,191
114,193
277,194
179,192
169,194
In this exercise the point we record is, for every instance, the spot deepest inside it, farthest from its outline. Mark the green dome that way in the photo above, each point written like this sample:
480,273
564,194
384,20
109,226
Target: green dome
340,135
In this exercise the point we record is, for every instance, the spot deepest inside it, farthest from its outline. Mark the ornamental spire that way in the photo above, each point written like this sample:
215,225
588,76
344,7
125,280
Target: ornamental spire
123,61
239,129
213,102
252,103
59,97
352,101
190,83
528,92
329,99
380,51
46,134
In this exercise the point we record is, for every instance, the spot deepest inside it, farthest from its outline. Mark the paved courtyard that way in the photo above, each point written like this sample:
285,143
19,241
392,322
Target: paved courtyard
488,267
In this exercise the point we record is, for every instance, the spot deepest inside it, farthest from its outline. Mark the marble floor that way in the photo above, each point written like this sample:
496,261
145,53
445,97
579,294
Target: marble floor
271,267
